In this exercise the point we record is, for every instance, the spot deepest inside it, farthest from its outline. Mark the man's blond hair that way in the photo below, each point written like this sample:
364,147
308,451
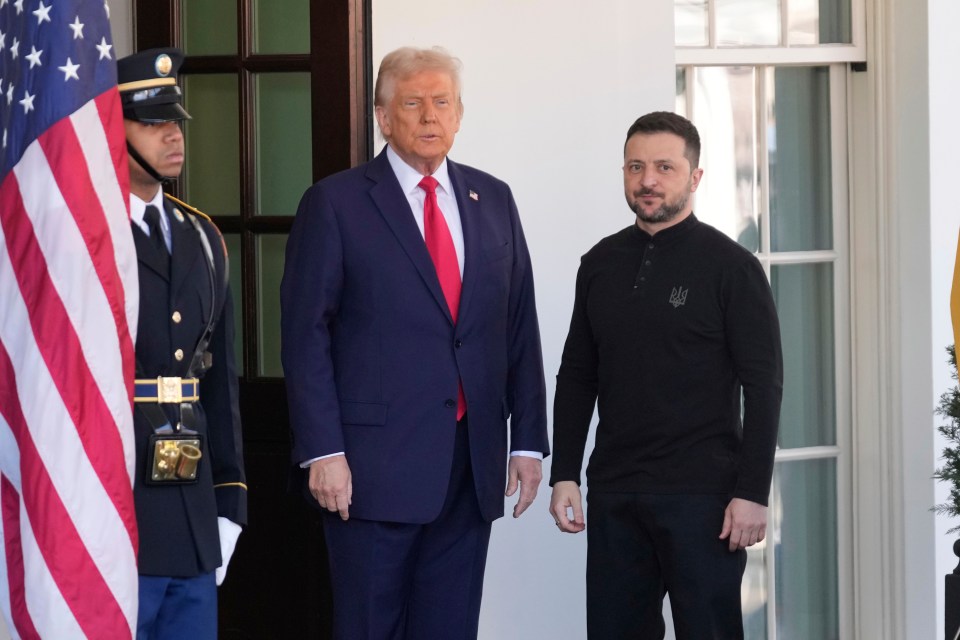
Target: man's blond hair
408,61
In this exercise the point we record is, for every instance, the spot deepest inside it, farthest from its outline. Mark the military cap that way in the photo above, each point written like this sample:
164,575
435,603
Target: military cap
148,86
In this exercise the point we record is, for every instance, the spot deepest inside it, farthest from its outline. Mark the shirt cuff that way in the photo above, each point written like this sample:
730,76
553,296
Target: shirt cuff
527,454
304,465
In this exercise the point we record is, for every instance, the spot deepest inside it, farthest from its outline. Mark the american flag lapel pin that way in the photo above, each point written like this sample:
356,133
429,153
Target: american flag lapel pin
474,196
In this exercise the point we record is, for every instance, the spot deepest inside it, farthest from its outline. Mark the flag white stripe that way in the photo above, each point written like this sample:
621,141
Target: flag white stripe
9,462
76,281
50,613
59,446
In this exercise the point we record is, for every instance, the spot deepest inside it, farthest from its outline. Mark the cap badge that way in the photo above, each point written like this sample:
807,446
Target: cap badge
163,64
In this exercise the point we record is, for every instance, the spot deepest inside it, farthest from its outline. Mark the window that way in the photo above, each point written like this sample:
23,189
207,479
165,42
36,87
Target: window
775,180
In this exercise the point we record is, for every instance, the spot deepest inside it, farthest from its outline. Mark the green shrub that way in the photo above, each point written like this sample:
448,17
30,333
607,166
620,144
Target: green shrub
949,408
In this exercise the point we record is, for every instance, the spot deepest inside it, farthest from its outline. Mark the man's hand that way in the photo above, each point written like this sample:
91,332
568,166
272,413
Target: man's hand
566,497
526,472
331,484
744,523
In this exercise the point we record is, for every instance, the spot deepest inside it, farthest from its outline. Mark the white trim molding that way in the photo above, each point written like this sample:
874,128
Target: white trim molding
894,573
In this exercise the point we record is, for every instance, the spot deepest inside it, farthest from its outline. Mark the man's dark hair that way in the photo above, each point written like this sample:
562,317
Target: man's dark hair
667,122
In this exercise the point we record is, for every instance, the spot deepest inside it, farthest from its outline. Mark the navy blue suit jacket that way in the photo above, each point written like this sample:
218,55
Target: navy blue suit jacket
372,357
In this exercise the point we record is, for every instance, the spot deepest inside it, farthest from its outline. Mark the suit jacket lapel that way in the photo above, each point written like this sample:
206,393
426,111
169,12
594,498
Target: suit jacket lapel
147,253
470,222
392,202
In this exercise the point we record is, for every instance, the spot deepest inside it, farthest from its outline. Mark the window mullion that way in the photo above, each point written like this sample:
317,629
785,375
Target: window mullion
712,24
784,23
763,123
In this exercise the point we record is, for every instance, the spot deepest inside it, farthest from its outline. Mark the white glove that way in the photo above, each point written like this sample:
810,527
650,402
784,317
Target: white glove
229,532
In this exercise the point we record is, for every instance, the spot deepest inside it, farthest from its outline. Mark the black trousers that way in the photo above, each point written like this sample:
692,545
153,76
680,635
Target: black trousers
641,546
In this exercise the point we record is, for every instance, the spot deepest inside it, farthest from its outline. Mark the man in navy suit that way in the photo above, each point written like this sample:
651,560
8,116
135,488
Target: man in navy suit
190,494
410,338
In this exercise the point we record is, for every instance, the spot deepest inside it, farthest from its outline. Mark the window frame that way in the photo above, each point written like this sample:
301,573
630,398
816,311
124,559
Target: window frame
819,54
839,258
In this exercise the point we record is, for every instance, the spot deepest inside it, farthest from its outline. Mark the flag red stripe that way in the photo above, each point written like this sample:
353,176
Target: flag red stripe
60,348
10,508
73,569
62,149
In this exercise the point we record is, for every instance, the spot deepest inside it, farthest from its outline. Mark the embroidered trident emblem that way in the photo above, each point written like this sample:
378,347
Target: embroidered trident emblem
678,296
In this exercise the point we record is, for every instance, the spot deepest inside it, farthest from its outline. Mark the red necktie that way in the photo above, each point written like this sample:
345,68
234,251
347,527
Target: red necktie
444,256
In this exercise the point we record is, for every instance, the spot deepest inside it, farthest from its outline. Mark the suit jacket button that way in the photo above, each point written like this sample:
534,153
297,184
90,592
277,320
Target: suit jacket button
178,354
450,403
176,317
458,344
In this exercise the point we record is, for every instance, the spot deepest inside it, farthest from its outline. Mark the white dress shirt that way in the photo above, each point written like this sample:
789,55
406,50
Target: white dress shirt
138,208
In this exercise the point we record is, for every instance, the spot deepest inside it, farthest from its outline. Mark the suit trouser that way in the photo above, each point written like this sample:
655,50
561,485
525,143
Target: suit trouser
394,581
641,546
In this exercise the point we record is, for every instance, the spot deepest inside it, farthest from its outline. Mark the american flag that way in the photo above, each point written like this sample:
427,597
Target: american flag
68,314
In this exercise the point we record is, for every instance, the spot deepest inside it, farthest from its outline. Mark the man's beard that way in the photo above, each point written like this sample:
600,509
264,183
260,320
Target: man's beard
664,213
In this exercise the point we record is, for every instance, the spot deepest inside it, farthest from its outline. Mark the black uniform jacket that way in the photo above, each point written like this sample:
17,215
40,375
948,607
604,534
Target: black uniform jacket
178,523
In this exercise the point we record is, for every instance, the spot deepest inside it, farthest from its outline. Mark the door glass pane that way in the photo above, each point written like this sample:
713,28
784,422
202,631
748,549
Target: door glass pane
836,21
804,297
270,254
281,26
753,592
680,102
745,23
212,167
283,133
209,27
804,20
691,23
236,288
805,551
819,22
725,113
801,184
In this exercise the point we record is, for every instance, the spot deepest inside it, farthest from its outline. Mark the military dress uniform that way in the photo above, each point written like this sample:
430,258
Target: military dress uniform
178,523
186,393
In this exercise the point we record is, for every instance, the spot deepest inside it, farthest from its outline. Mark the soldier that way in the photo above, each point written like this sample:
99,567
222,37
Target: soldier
190,493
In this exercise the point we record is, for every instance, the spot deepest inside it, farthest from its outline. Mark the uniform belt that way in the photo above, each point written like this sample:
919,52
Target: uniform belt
166,390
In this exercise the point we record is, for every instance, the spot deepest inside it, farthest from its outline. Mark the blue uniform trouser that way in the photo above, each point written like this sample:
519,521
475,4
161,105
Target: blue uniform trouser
177,608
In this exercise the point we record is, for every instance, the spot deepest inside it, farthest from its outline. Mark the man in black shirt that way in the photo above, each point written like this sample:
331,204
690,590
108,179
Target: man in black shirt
672,320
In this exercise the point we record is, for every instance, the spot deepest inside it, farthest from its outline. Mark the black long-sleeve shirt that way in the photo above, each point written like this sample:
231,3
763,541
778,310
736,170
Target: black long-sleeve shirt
666,330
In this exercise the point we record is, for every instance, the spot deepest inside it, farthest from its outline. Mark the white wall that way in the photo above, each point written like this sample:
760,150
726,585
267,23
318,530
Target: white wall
550,88
944,51
893,553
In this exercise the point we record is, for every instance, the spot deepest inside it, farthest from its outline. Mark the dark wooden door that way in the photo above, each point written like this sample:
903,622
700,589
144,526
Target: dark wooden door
278,92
